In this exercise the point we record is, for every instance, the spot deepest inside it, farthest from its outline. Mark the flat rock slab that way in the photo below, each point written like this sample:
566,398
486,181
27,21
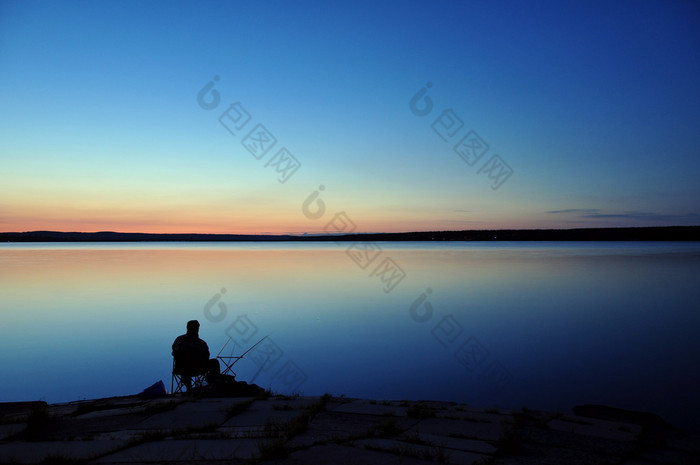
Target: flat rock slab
423,452
11,429
598,428
34,452
70,428
670,457
685,443
10,411
335,426
638,462
251,431
466,445
261,419
86,411
532,454
269,413
461,429
213,430
346,455
475,416
186,451
109,413
294,403
475,409
190,415
128,436
61,410
432,404
109,403
369,408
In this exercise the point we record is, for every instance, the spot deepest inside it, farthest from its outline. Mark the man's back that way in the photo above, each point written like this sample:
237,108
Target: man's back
191,354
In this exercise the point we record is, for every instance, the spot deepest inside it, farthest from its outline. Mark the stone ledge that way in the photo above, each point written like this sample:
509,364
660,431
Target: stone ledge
290,430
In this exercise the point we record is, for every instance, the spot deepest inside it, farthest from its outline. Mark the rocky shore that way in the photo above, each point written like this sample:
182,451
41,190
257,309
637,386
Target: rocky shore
208,428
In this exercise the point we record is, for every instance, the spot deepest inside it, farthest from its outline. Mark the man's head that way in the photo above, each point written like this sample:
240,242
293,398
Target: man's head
193,327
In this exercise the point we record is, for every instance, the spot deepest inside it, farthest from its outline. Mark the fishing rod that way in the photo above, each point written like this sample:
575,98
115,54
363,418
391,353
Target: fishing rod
253,346
229,366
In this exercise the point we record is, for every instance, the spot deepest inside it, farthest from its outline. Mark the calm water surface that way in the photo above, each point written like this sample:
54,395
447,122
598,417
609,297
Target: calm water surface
543,325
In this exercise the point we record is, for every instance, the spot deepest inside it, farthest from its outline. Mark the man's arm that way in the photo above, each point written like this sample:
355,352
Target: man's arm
204,348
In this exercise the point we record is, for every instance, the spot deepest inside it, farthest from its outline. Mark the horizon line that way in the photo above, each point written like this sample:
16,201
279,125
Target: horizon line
634,233
302,234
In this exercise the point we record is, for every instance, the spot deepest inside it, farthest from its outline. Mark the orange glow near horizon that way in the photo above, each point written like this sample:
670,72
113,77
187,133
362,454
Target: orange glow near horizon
212,226
265,213
197,220
278,225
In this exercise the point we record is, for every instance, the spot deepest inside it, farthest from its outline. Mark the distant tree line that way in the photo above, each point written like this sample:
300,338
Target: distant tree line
662,233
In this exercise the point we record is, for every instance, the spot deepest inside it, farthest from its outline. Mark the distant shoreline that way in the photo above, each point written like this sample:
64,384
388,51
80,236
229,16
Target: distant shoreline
660,233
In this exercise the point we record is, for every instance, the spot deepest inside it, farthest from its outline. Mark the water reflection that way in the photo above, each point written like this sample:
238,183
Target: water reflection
565,323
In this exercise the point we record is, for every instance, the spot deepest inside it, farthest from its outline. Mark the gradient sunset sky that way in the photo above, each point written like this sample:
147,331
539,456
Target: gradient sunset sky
588,115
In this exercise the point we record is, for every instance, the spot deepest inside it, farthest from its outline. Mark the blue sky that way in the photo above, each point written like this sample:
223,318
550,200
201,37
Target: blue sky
594,107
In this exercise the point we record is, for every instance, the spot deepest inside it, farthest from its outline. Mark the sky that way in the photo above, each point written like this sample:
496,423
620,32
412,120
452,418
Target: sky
365,116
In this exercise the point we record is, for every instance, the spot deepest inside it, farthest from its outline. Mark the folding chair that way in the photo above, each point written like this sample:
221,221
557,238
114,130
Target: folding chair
178,385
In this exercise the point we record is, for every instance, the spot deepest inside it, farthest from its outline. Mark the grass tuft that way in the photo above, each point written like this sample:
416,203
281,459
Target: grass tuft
37,424
272,450
419,411
238,408
160,407
388,428
61,460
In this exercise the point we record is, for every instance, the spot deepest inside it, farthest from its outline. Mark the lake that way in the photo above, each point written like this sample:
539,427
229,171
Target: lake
547,325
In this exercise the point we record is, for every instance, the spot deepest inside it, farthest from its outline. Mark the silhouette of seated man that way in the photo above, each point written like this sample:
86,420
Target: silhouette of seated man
191,356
